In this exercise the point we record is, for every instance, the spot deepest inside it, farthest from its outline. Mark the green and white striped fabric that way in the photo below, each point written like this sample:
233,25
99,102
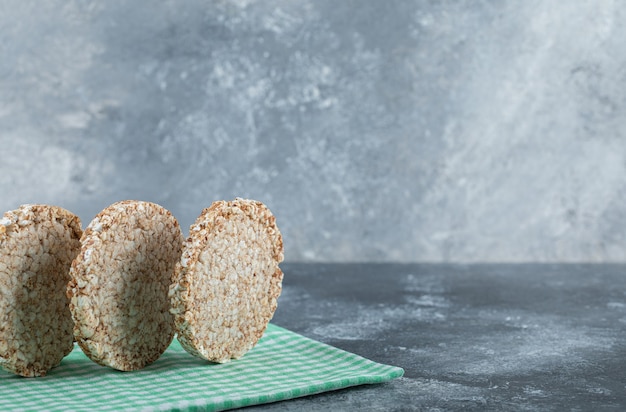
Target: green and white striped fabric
283,365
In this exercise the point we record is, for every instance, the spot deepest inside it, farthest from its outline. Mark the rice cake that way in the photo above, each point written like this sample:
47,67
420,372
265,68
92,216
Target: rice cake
119,287
37,246
228,280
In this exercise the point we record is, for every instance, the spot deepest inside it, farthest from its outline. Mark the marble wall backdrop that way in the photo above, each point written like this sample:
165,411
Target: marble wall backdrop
375,130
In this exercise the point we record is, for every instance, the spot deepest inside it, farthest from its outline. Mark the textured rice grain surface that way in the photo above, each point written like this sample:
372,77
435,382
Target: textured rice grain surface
119,287
228,280
37,245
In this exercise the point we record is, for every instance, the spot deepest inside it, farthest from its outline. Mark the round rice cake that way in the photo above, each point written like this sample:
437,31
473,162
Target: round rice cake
228,281
37,246
119,284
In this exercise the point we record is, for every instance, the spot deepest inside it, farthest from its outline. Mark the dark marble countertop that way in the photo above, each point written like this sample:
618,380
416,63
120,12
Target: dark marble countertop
476,337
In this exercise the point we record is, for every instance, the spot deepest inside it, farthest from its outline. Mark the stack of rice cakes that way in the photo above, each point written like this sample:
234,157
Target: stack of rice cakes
131,282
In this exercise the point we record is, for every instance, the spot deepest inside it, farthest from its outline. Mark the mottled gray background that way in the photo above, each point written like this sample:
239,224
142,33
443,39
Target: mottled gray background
374,130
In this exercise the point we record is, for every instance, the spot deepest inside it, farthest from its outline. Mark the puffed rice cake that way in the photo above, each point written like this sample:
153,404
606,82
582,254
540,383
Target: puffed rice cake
228,281
37,246
119,284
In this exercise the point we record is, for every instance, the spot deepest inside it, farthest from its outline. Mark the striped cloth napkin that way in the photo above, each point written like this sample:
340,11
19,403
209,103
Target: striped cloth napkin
281,366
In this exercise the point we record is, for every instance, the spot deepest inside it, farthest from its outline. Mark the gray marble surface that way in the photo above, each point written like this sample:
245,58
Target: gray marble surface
527,337
401,130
